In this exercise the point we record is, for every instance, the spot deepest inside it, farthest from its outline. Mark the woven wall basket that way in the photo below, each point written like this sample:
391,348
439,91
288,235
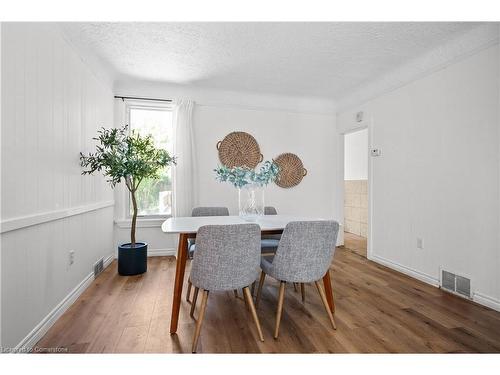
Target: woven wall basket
239,149
292,170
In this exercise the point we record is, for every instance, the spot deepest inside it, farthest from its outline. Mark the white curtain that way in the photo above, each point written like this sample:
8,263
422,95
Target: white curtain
184,173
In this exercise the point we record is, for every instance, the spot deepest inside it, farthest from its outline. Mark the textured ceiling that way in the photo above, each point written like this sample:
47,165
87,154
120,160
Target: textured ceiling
306,59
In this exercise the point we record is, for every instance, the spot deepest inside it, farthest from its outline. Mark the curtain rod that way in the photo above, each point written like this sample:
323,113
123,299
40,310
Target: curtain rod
134,98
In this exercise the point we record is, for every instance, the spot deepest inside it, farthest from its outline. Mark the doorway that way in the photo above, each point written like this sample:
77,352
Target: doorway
356,191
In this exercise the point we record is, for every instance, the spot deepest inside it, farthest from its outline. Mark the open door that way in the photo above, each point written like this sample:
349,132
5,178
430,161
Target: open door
356,191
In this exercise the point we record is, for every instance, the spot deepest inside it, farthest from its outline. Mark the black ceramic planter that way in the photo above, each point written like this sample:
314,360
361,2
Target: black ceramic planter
132,260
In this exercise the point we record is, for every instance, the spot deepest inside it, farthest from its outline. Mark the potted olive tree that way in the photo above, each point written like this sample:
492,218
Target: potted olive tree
131,157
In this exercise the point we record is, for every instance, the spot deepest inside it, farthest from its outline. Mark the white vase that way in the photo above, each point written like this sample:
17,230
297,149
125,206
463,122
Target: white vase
251,201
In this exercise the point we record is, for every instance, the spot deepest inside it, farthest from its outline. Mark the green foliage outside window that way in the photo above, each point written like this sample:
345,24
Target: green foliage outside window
148,192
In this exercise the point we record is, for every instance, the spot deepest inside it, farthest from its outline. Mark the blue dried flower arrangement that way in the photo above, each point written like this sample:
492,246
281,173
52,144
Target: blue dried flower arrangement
241,176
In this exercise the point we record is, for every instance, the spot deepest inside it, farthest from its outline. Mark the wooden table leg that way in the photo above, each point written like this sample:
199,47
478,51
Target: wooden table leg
182,255
327,282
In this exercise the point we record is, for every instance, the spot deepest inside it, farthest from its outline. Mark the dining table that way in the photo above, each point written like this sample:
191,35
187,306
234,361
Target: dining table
187,227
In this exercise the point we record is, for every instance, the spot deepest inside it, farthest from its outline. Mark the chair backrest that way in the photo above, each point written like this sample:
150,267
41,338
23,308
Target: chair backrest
305,250
210,211
269,210
227,256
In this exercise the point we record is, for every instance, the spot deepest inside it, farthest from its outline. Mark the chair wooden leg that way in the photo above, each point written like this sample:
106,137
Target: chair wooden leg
193,305
295,287
259,289
253,289
204,298
244,299
281,298
188,293
235,291
325,303
303,292
249,299
327,284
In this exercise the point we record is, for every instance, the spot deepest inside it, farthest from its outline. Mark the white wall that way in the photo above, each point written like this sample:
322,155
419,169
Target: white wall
498,179
310,136
356,155
438,175
52,106
279,125
0,183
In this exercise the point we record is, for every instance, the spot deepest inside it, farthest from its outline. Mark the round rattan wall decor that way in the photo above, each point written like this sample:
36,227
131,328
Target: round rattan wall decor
291,172
239,149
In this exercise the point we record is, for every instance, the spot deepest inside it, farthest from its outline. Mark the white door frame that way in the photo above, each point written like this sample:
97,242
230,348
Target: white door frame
367,124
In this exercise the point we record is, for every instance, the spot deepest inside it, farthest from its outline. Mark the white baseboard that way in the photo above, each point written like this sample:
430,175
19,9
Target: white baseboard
161,252
108,260
487,301
156,253
479,298
41,329
406,270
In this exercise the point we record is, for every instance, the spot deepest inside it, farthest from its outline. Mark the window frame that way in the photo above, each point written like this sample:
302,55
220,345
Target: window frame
149,105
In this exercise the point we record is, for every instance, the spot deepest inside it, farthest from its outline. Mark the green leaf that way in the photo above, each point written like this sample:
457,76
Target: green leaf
241,176
131,157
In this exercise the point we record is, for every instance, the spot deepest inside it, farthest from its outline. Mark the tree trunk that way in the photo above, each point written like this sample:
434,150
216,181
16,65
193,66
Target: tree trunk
134,219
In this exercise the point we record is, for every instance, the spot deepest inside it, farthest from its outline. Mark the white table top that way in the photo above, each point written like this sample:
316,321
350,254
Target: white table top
192,224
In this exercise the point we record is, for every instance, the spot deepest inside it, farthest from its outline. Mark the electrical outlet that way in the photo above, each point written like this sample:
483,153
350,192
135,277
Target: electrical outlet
71,258
420,243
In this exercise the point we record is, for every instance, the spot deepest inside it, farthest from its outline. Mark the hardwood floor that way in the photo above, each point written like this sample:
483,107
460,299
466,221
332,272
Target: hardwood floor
377,311
355,243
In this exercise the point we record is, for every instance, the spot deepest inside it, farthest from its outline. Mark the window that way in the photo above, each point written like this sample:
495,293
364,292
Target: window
154,197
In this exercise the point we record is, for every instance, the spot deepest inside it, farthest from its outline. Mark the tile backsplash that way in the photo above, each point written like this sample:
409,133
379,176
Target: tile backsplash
356,207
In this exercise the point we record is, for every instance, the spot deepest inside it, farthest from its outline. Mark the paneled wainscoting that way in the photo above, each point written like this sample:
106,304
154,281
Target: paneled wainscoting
55,223
378,310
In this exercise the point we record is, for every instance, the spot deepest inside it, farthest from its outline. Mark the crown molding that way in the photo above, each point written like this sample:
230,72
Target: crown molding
467,44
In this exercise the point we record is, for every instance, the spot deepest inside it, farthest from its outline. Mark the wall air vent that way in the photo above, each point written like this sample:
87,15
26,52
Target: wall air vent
456,284
448,280
463,286
98,267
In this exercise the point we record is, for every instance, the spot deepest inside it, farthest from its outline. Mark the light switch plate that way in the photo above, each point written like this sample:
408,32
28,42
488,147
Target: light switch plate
420,243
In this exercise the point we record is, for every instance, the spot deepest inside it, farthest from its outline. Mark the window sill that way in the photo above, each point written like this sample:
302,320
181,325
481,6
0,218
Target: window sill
142,222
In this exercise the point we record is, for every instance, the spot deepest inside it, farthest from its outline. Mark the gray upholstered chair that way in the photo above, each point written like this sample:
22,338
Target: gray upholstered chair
269,210
227,257
210,211
269,243
196,212
205,211
304,255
